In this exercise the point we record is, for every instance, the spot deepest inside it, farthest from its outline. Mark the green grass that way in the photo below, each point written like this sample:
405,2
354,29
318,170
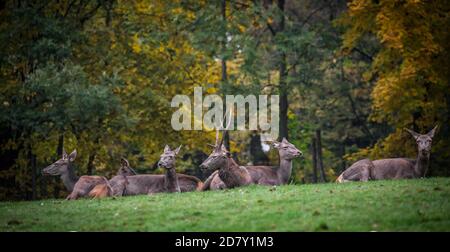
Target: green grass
407,205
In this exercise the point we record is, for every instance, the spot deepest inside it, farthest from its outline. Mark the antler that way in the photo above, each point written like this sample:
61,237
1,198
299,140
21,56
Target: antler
217,137
218,144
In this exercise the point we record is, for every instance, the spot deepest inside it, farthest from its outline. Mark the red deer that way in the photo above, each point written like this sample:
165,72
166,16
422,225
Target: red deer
150,184
106,189
393,168
77,186
63,168
359,171
233,175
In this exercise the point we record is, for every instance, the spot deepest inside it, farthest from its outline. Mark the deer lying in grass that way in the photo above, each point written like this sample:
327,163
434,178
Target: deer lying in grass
150,184
393,168
77,186
63,168
359,171
213,182
117,189
233,175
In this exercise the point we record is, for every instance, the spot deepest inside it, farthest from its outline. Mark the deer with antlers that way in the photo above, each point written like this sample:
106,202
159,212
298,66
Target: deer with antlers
229,174
393,168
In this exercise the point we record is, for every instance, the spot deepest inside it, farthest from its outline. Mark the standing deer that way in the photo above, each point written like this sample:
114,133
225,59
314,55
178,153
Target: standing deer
393,168
150,184
229,174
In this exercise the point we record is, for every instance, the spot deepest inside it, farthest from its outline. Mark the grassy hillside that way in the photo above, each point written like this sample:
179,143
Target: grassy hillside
408,205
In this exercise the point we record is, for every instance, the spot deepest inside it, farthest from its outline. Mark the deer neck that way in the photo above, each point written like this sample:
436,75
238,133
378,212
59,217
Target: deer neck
285,170
422,163
231,174
171,181
69,178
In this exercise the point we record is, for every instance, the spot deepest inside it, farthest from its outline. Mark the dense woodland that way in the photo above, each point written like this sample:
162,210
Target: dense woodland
98,76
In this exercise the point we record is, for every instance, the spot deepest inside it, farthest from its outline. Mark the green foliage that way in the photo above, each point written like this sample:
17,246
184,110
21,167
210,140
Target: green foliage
411,71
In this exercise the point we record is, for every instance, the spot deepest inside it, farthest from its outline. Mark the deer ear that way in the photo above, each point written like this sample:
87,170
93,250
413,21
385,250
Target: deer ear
166,148
177,150
432,132
64,154
414,134
284,140
124,162
276,144
73,155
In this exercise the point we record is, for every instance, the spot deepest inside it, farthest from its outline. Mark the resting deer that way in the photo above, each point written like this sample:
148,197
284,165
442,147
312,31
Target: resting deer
63,168
117,189
233,175
359,171
393,168
77,186
125,168
150,184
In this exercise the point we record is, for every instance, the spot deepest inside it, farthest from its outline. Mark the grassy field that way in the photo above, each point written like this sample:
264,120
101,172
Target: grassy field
408,205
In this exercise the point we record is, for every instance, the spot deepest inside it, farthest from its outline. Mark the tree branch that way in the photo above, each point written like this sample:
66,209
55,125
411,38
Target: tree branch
365,55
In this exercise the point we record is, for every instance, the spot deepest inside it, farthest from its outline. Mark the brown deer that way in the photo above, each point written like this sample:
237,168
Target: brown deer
77,186
150,184
86,184
125,168
117,189
233,175
63,168
213,182
359,171
393,168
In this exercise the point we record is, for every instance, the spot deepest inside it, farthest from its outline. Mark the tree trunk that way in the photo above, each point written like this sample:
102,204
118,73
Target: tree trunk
223,10
32,159
108,8
90,165
343,164
284,104
59,151
319,156
257,154
43,184
314,159
283,113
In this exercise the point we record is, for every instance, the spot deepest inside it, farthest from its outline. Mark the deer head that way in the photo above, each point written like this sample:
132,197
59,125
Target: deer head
423,141
218,158
167,159
286,150
220,154
125,169
61,166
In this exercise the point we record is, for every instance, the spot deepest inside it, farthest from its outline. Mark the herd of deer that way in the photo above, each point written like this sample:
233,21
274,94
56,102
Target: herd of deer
227,173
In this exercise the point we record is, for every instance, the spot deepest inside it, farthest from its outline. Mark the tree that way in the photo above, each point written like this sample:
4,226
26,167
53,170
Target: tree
410,70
